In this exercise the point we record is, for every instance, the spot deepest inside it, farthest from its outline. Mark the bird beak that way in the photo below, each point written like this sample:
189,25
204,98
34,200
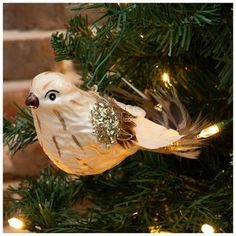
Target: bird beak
32,101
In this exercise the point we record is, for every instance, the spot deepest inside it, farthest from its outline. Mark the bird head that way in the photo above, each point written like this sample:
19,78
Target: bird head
49,89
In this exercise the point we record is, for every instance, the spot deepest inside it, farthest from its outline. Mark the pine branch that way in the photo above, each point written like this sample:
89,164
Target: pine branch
134,201
45,201
168,31
19,132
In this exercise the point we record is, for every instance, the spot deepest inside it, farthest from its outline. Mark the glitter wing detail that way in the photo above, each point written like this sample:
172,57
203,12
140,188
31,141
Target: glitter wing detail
105,123
112,124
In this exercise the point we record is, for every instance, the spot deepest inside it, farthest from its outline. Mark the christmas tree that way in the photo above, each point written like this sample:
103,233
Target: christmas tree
188,46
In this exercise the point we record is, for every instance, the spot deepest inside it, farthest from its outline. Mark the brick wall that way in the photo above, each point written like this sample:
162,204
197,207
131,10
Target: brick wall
27,30
27,52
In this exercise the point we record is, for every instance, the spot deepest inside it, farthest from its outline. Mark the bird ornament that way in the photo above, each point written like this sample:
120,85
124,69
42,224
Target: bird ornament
84,133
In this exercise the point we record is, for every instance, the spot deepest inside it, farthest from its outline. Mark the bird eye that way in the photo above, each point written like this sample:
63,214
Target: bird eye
52,94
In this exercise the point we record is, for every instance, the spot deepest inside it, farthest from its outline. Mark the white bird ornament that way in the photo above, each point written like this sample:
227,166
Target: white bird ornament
84,133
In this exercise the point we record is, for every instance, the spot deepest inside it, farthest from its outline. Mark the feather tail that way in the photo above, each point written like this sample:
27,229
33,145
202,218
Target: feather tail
164,108
175,116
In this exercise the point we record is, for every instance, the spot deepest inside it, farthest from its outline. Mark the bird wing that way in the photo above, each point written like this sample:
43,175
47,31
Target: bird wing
150,135
133,110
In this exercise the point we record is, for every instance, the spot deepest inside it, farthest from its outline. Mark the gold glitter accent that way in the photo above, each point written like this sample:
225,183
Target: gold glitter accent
158,107
105,123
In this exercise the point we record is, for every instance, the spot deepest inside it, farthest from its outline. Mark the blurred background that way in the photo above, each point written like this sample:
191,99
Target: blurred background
27,51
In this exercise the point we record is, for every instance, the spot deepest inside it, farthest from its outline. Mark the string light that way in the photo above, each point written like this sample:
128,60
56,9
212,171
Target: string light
157,229
207,229
214,129
16,223
209,131
166,79
154,229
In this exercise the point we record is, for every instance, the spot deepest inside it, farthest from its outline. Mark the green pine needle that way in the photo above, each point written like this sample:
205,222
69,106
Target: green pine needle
124,201
19,132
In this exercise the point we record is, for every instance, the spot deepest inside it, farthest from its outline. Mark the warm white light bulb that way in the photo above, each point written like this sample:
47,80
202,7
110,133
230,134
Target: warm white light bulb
16,223
209,131
207,229
166,79
154,229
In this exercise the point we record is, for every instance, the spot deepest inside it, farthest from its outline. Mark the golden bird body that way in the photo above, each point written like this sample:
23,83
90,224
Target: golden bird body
68,127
